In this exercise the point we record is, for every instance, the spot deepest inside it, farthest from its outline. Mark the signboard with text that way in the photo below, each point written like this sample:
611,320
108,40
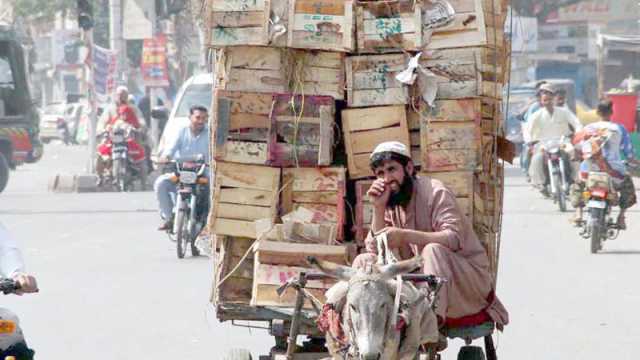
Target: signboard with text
154,62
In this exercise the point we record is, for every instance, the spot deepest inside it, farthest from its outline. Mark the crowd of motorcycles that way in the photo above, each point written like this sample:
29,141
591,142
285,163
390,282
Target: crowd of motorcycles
598,195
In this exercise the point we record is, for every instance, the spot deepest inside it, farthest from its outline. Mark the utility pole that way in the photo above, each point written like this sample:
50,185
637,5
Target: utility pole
116,41
153,96
85,23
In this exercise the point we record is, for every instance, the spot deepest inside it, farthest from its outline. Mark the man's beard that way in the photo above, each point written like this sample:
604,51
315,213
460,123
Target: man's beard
403,196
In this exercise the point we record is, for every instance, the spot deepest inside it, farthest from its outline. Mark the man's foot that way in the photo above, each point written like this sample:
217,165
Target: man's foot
576,221
545,192
166,226
622,224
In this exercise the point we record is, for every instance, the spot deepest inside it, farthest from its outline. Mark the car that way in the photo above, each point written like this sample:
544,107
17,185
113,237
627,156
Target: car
197,90
56,112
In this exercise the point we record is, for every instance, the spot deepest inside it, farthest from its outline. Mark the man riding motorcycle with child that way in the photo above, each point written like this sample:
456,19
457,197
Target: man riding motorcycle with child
549,123
615,143
121,114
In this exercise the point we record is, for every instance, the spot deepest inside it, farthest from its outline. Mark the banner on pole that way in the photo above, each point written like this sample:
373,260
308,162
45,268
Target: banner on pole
104,67
154,62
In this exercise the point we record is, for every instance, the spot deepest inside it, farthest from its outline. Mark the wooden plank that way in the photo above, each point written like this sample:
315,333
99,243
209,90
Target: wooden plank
376,97
449,160
363,119
238,5
244,152
266,274
243,212
317,197
450,135
253,57
237,19
366,141
460,182
231,227
324,7
270,252
246,102
247,176
230,36
266,295
317,179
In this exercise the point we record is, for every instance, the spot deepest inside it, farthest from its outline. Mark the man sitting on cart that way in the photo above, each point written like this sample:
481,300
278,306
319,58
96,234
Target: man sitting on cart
420,214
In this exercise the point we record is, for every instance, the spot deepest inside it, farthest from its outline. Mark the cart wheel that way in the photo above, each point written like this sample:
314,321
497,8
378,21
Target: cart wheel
471,353
237,354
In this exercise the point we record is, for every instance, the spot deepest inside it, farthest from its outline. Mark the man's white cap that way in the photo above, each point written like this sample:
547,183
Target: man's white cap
392,146
120,89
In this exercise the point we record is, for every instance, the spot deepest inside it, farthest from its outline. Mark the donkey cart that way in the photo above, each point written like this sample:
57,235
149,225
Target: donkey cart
286,326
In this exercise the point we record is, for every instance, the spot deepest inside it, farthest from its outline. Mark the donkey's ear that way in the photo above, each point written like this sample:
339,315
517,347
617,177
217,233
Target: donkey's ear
402,267
339,272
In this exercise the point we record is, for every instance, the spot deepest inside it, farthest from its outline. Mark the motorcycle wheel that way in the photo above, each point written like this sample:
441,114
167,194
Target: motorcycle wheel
597,228
561,197
117,171
182,235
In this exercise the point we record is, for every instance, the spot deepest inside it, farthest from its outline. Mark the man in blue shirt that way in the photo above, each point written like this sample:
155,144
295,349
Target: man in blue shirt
190,142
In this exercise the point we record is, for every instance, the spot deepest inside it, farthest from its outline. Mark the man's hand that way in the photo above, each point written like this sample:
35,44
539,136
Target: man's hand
395,237
163,160
28,284
379,194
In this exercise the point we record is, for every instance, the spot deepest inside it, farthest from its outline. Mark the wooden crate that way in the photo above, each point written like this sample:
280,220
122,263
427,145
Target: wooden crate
364,129
371,80
273,70
301,131
268,278
321,25
321,190
238,22
290,254
363,210
388,26
476,23
242,195
449,146
237,287
265,129
467,72
242,127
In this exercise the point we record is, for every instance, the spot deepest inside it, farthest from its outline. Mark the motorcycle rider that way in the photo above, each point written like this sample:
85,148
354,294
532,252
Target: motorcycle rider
549,123
12,267
610,161
561,98
525,155
192,140
120,111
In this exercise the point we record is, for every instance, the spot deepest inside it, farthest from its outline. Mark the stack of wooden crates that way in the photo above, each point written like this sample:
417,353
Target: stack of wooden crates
304,90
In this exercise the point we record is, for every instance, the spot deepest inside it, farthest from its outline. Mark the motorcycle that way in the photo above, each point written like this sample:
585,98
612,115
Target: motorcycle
559,182
191,204
600,197
12,342
63,131
123,157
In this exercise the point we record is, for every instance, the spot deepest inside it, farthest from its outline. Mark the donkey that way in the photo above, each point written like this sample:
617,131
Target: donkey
365,300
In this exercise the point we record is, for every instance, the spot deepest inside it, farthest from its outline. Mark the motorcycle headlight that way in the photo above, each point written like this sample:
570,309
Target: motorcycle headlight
7,327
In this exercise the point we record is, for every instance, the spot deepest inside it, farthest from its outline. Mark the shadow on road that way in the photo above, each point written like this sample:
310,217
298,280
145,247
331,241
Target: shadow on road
76,212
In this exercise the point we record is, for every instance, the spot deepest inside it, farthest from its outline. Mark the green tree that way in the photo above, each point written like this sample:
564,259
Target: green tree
46,9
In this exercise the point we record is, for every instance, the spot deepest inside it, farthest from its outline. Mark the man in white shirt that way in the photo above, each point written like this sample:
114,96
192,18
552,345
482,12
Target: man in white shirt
549,123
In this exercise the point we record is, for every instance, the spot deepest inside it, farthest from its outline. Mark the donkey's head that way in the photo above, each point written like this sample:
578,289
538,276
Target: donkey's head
369,302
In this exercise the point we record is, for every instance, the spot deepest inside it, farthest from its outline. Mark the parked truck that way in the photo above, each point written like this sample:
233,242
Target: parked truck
19,119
